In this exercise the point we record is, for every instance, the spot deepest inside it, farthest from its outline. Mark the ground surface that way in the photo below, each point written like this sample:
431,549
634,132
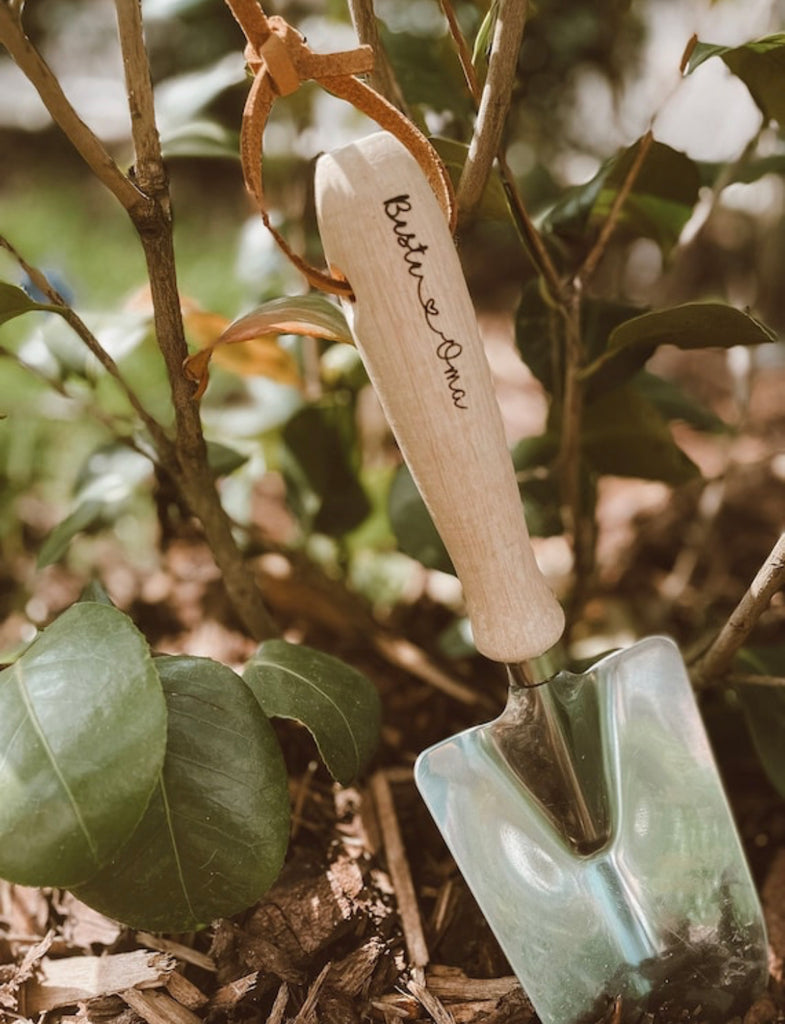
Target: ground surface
370,918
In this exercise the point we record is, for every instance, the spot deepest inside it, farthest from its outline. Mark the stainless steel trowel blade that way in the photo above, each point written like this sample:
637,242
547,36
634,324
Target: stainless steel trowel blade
642,898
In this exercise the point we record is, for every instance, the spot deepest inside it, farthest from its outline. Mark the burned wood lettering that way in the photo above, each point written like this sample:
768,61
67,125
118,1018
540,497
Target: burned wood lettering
447,349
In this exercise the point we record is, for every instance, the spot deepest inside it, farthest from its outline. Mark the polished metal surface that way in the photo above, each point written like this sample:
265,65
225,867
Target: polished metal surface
591,825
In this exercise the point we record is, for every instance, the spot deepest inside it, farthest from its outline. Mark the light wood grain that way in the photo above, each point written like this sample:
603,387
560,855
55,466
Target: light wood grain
416,329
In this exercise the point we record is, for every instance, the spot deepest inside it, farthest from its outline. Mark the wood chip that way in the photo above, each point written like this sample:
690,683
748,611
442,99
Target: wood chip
432,1005
773,902
185,992
228,996
406,655
306,1014
12,991
452,985
184,953
79,978
279,1006
398,866
159,1008
350,975
465,1013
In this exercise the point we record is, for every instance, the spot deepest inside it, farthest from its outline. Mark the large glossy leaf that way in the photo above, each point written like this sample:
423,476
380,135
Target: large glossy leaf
689,326
538,334
675,404
412,525
764,709
624,435
15,302
759,64
215,834
662,197
338,705
659,205
82,738
428,70
316,461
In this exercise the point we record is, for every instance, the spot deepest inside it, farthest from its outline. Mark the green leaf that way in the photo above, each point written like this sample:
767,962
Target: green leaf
537,336
224,460
662,197
759,64
94,591
659,205
533,458
689,326
215,834
180,99
82,738
764,709
483,41
625,435
86,515
746,173
201,140
412,525
322,486
428,71
16,302
676,404
105,485
338,705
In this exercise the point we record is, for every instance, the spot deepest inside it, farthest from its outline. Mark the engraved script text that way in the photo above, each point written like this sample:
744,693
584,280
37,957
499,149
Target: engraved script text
447,349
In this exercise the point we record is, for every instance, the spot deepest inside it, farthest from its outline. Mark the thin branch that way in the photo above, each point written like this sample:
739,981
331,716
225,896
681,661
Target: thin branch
610,224
464,53
752,679
188,467
494,103
84,333
718,658
86,143
530,236
383,77
149,166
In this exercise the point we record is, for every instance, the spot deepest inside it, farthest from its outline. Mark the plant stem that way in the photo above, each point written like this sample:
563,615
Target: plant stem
494,104
187,463
569,458
383,77
88,145
718,658
529,235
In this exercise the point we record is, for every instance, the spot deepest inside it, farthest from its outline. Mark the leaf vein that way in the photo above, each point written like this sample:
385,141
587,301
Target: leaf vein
326,696
36,725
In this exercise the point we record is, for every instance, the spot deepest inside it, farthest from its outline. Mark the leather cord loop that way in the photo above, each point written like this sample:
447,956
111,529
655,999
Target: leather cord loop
281,59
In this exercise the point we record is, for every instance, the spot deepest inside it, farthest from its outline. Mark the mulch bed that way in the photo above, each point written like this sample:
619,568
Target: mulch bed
370,919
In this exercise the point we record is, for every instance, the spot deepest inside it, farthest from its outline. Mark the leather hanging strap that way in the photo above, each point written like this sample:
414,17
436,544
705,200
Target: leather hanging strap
280,59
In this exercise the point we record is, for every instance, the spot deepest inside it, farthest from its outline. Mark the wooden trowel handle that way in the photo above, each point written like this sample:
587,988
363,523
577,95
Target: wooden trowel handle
416,330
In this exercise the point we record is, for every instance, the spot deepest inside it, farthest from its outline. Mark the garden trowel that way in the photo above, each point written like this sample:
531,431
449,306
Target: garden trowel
588,819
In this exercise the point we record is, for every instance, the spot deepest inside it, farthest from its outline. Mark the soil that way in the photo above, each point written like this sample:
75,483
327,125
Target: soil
370,919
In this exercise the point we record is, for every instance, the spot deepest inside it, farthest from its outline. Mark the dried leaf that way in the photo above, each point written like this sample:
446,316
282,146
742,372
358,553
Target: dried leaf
310,315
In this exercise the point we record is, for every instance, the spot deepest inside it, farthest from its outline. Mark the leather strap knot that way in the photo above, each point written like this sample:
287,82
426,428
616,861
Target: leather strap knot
281,59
